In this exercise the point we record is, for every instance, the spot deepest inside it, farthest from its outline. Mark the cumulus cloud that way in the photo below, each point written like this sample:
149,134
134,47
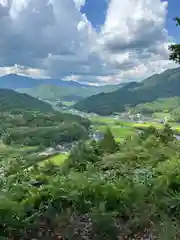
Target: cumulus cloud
23,71
79,3
54,36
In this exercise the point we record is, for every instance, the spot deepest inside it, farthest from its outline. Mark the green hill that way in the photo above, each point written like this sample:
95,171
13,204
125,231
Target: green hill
164,85
11,100
166,105
66,93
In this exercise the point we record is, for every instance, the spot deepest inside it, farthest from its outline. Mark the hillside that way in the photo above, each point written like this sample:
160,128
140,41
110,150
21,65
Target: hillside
166,105
11,100
166,84
66,93
101,190
53,89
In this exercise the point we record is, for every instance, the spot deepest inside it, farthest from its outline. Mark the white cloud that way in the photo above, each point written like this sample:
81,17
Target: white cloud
54,36
21,70
79,3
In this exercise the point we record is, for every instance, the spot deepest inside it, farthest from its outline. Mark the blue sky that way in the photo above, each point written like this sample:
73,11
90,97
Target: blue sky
173,10
90,41
96,13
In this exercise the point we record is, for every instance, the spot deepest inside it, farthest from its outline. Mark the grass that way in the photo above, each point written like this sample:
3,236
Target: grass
102,120
56,160
146,125
16,150
118,131
122,129
68,103
160,115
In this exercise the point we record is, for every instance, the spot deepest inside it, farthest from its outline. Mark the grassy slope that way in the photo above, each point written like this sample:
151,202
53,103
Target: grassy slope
56,160
161,105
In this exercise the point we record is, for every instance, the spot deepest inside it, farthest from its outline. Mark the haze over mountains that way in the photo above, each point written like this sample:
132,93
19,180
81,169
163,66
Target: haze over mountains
103,100
53,89
164,85
13,81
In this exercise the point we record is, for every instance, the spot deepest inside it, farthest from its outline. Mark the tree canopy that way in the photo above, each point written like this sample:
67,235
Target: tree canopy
175,48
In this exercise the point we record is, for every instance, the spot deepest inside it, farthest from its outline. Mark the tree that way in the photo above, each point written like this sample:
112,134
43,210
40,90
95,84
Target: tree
108,144
167,134
6,139
80,156
175,48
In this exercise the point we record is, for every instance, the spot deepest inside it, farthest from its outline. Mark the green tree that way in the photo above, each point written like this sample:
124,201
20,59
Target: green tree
167,134
175,48
108,144
80,156
6,139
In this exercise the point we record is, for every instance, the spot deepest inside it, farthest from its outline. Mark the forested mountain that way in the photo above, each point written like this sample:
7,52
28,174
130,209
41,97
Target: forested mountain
166,84
11,100
66,93
166,105
53,89
28,128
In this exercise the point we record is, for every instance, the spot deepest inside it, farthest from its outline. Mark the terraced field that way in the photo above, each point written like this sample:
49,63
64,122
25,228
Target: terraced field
122,129
56,160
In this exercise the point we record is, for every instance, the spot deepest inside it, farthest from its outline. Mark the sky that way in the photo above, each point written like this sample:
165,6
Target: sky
90,41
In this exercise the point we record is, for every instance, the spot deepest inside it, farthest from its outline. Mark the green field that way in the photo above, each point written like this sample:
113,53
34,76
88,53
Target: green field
56,160
146,125
160,115
102,120
122,129
12,151
68,104
119,129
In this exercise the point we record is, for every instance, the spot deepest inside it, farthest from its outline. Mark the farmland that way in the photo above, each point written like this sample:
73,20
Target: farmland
56,159
122,129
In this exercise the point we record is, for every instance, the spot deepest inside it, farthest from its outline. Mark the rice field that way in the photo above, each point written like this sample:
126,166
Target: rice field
56,160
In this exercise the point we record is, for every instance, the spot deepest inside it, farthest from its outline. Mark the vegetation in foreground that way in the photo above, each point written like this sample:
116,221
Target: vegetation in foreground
26,135
103,190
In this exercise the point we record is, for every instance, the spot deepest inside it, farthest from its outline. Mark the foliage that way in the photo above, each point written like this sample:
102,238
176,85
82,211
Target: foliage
164,85
164,105
67,93
11,100
33,128
131,193
175,48
108,144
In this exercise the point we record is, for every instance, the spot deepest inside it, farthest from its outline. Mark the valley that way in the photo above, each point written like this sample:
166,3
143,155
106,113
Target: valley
59,163
89,120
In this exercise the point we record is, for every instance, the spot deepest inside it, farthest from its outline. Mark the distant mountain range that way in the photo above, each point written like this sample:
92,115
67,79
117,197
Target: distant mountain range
13,81
164,85
53,89
66,93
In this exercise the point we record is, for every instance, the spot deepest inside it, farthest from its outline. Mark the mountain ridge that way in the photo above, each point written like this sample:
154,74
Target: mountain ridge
53,89
166,84
14,81
12,100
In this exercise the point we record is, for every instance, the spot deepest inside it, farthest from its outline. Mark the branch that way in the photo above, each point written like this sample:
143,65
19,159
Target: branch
177,19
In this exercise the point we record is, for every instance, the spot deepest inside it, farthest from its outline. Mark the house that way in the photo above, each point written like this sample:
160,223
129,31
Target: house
97,136
177,137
